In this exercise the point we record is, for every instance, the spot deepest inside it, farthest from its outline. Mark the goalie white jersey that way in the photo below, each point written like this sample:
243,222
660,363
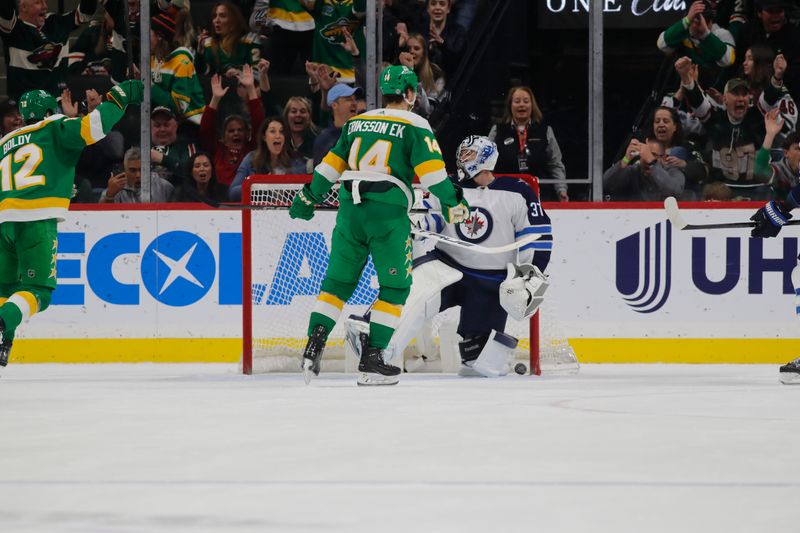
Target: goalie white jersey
501,213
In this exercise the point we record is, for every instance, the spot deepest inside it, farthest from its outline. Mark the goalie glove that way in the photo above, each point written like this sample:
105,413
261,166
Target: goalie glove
523,290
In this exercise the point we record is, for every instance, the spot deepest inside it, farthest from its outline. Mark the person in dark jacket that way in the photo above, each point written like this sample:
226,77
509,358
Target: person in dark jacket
527,145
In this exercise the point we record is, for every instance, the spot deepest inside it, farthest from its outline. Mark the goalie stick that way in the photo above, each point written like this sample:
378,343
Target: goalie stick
477,248
676,217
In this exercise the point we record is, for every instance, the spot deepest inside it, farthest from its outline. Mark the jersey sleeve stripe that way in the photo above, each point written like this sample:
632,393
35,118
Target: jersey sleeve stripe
432,178
7,25
538,230
336,162
92,127
429,166
327,172
544,245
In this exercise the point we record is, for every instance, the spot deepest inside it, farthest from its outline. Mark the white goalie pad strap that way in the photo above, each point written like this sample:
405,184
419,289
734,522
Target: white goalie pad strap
497,356
424,301
523,290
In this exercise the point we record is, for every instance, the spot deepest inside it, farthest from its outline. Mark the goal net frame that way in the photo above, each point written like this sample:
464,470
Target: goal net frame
254,182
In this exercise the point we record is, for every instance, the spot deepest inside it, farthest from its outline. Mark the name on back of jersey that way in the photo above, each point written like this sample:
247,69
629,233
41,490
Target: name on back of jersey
16,142
376,126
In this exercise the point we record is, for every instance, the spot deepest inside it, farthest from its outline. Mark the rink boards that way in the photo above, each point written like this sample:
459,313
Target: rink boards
158,284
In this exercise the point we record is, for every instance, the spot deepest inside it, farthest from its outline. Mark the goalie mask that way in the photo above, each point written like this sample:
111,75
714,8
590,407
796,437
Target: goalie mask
474,155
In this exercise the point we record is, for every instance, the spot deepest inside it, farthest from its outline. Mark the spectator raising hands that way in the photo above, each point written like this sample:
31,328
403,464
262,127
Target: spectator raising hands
237,140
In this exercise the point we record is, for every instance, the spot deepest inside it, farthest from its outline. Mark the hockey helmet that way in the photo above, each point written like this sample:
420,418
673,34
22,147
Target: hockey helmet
395,79
474,155
34,105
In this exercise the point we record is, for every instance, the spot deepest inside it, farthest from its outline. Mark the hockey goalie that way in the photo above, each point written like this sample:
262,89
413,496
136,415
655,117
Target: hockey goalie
488,288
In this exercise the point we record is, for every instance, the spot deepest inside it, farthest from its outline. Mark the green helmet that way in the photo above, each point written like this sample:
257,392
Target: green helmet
34,105
395,79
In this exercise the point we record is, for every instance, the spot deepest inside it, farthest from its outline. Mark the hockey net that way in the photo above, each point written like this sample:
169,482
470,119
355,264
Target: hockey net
283,265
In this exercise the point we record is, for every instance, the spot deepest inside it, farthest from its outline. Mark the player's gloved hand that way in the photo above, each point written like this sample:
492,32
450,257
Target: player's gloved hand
769,220
456,214
126,93
303,204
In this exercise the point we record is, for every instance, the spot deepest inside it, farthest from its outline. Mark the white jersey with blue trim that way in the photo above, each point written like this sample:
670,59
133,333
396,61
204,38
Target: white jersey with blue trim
503,212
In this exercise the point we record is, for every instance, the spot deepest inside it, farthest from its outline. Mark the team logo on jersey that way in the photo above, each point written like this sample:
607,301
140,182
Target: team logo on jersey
334,32
477,227
178,268
46,55
644,268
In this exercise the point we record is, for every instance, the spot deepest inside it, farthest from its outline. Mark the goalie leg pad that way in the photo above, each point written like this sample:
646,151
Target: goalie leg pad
424,301
356,328
497,356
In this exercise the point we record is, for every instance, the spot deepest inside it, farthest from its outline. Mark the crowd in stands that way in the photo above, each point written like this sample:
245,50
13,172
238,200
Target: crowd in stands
725,130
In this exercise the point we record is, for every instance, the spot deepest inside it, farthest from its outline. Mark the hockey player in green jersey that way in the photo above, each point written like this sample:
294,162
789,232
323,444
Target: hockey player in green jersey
376,158
37,172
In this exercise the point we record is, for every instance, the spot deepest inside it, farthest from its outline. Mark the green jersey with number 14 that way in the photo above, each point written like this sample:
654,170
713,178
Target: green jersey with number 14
377,156
37,163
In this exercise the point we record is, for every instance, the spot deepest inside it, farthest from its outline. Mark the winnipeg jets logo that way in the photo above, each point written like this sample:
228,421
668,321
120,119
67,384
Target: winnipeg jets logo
477,227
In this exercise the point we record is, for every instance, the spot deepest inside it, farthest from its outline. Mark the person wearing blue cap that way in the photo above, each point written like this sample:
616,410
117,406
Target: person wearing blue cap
341,100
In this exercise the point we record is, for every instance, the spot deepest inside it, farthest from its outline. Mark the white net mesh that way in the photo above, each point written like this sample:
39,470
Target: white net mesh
288,263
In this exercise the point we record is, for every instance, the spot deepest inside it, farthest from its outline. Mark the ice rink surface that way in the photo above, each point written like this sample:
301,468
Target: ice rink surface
617,448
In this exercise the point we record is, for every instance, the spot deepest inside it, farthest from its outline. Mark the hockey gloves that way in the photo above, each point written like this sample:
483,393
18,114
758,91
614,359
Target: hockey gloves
126,93
769,220
458,213
303,204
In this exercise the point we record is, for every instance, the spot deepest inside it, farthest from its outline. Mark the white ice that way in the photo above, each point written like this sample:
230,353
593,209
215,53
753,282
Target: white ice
180,448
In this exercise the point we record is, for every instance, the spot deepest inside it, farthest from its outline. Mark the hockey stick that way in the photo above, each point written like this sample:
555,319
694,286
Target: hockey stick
477,248
676,217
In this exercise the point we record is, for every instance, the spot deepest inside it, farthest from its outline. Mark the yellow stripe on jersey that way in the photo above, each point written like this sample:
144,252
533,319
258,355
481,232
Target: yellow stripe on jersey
428,167
282,14
86,131
338,164
383,117
386,307
35,203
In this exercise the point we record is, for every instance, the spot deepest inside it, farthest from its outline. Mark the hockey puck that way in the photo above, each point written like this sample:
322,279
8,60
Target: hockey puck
521,369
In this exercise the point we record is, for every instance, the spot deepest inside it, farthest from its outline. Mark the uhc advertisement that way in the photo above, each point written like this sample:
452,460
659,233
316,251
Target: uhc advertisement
165,285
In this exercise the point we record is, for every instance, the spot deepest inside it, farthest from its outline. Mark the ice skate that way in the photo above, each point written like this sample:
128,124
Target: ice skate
466,370
374,371
312,355
790,372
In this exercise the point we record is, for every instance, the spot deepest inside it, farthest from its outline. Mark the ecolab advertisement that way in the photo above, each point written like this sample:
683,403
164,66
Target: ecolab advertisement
166,285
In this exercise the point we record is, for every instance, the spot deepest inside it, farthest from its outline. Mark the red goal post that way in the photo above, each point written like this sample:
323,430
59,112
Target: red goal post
274,319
